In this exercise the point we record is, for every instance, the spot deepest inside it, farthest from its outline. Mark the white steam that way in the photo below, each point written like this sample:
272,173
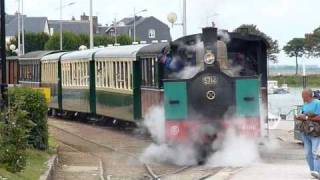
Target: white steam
232,149
180,155
159,151
224,36
155,122
236,151
188,72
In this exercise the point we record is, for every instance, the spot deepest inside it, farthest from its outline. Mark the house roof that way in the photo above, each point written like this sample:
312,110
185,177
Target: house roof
79,27
120,29
128,21
31,24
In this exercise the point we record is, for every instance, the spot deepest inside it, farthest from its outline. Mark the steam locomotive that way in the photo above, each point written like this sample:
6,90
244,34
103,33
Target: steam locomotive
225,93
204,81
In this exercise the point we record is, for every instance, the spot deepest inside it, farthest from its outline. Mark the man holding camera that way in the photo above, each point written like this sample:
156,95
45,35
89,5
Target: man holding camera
310,130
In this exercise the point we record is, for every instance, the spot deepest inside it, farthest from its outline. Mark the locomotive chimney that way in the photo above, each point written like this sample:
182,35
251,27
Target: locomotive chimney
210,38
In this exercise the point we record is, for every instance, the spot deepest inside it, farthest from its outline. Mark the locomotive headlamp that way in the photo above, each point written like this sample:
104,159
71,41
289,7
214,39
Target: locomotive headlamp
209,58
211,95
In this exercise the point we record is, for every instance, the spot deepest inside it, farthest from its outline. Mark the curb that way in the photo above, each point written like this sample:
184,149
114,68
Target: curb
52,164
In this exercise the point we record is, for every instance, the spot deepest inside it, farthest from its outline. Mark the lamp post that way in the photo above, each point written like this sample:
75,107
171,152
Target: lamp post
134,22
22,28
172,18
304,76
115,30
91,26
184,17
61,32
19,29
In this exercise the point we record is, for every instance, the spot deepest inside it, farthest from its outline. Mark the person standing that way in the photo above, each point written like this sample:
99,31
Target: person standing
310,130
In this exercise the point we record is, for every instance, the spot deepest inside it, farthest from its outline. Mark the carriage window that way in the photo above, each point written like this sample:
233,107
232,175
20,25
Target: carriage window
49,71
75,74
149,72
114,74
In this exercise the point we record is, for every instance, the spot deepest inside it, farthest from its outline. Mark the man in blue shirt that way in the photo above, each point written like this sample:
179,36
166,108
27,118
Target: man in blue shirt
311,112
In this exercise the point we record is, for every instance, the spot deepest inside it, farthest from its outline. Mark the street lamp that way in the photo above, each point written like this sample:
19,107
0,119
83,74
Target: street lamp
91,26
83,47
172,18
61,7
134,22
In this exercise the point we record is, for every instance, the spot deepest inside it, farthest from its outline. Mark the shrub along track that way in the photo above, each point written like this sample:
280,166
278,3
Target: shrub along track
118,153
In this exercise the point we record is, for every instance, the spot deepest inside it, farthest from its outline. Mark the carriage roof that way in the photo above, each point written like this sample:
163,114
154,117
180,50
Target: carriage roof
53,57
129,51
152,49
80,55
35,55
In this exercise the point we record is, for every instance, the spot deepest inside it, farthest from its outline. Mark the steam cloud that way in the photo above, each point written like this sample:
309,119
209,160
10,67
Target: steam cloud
234,151
188,72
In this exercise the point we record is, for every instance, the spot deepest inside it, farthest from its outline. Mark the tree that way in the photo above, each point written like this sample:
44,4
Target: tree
253,29
312,43
101,40
35,41
125,40
295,48
71,42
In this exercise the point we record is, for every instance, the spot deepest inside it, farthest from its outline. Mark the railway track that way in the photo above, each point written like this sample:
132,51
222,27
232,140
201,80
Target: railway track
100,150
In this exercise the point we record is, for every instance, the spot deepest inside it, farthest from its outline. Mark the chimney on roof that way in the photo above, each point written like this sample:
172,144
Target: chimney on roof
84,17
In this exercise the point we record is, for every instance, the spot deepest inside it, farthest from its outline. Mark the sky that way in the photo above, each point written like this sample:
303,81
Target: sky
280,19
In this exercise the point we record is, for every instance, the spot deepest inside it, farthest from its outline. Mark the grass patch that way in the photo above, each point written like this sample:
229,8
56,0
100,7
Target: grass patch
292,80
36,164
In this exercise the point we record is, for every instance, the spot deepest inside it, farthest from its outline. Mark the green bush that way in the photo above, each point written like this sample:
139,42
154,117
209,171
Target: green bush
34,103
14,131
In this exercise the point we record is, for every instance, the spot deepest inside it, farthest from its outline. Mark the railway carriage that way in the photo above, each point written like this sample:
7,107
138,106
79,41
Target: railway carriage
152,73
51,78
78,82
117,82
12,70
30,68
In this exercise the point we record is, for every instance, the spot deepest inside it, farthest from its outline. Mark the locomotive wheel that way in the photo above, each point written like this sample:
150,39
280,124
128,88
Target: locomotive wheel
203,152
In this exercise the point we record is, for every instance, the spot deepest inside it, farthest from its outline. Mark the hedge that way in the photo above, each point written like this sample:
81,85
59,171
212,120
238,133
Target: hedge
23,124
34,103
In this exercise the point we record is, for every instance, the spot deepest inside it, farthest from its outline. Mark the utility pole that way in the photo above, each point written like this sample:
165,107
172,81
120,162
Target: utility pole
19,29
134,24
4,86
61,44
304,76
22,28
184,17
115,30
91,26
